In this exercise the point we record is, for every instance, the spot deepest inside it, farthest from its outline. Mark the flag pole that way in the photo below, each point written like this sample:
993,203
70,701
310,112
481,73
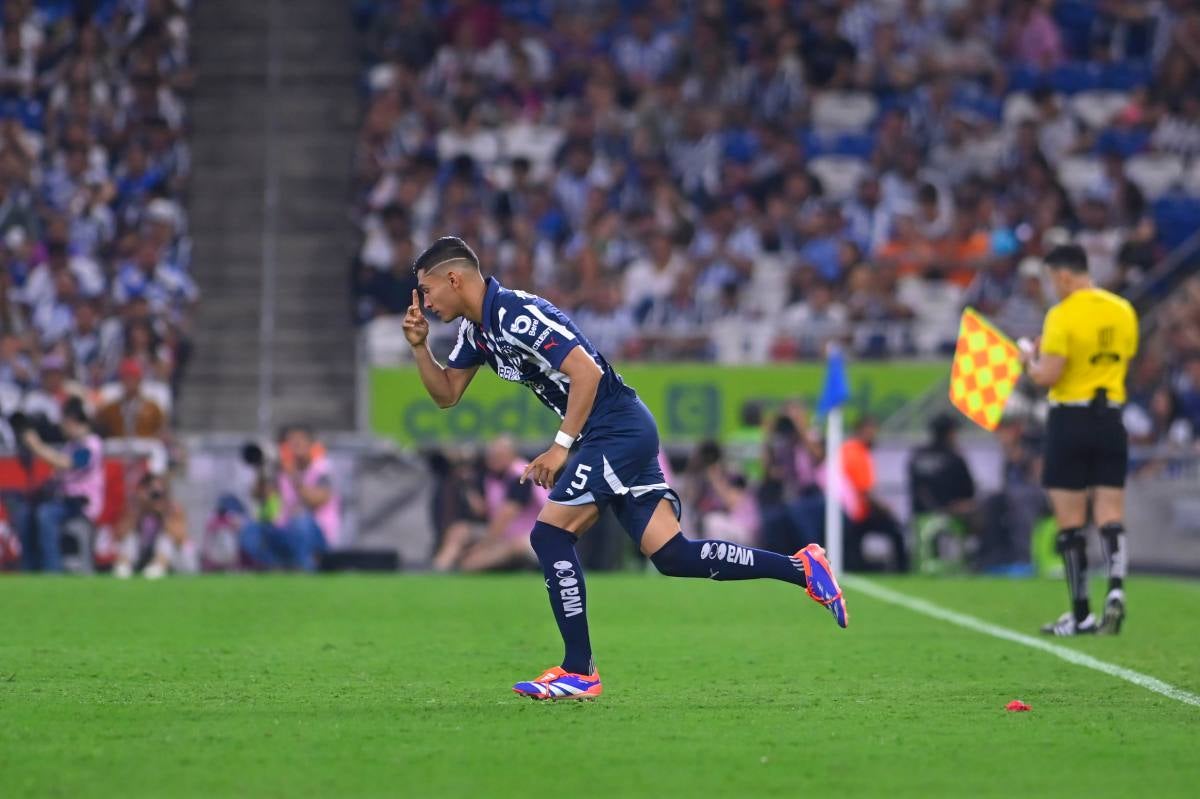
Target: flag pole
833,487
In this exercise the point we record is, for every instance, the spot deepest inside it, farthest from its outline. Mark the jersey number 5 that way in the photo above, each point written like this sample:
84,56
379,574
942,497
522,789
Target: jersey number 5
580,476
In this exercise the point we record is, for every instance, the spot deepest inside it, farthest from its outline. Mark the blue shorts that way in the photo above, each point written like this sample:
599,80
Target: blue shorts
616,464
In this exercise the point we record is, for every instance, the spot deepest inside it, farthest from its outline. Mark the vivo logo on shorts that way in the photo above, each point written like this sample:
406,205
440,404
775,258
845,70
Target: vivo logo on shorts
568,588
730,553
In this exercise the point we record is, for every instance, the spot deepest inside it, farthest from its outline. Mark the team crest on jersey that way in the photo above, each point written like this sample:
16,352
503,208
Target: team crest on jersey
523,325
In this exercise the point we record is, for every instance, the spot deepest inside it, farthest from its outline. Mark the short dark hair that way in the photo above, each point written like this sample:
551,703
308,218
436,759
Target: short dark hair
1068,256
74,410
447,248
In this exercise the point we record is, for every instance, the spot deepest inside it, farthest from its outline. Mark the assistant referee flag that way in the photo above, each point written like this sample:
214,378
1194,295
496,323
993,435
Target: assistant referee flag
987,365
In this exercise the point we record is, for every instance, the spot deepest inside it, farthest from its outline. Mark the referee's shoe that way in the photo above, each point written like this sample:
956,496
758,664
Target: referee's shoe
1066,625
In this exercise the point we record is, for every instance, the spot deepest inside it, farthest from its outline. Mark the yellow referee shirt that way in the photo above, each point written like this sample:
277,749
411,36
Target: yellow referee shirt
1097,332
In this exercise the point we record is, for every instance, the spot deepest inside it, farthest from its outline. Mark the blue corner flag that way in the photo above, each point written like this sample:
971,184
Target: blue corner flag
836,390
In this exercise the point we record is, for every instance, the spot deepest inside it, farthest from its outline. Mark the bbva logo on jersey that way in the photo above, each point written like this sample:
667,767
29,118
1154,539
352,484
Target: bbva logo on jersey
522,325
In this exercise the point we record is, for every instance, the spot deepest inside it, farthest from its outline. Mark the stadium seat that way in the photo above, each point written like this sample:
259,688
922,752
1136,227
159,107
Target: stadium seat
1122,76
988,152
1075,19
1122,141
385,341
1075,77
1097,108
1155,173
839,174
852,112
1018,107
982,105
857,145
1078,173
1024,78
1191,178
1177,217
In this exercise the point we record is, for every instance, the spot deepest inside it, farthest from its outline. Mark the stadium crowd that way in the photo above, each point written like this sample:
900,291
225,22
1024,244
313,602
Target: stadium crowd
745,180
96,288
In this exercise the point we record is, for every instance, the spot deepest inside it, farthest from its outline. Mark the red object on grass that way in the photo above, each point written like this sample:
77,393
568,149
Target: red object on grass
1017,706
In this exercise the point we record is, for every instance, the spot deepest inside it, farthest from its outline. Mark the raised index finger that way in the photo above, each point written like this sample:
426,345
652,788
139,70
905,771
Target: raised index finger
416,302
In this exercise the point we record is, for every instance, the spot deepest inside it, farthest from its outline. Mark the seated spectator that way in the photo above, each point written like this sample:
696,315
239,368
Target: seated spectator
862,511
609,326
152,536
725,507
308,520
942,493
1008,517
55,390
676,326
815,320
16,367
132,414
1101,239
650,279
77,488
1022,314
511,507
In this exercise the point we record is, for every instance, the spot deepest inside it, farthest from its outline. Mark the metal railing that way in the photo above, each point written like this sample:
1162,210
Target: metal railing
270,230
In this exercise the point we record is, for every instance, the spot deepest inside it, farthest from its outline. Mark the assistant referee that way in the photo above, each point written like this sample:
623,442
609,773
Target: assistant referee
1087,341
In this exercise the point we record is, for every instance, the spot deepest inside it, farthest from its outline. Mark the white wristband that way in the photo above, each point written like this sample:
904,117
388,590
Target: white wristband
563,440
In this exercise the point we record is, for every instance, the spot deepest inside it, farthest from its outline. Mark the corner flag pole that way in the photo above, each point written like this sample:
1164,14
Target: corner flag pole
833,488
834,394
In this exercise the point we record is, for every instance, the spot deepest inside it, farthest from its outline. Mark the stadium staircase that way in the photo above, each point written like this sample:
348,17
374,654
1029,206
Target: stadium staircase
274,114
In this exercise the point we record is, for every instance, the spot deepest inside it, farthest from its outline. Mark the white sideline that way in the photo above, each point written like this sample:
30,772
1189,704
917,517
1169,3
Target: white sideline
1154,684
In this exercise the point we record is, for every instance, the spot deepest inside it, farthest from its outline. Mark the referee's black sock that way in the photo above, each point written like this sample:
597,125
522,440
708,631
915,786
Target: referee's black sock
1112,536
1073,547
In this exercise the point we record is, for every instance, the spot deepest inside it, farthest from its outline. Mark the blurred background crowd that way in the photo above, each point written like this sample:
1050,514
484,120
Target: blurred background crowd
728,181
744,181
747,181
95,272
96,289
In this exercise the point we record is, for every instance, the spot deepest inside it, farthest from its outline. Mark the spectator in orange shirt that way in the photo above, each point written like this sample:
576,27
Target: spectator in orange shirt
965,250
863,512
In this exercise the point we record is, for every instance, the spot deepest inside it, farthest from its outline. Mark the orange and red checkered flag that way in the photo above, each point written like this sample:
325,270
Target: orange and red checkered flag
987,365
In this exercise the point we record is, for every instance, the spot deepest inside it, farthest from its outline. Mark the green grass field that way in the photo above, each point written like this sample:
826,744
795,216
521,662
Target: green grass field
399,686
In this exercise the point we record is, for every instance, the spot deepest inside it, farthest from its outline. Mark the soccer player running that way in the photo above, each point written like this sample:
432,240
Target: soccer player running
604,454
1087,341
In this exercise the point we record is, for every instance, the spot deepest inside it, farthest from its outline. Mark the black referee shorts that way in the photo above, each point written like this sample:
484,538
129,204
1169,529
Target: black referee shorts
1085,447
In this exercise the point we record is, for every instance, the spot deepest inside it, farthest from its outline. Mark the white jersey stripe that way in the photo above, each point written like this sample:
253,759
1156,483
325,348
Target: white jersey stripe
462,337
550,323
613,481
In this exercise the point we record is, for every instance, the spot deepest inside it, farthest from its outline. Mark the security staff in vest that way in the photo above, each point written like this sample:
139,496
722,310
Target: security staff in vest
1087,341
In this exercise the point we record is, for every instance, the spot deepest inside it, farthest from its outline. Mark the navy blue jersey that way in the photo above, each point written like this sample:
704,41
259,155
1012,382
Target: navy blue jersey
525,339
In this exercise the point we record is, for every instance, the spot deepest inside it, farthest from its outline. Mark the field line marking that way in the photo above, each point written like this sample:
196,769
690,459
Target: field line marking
926,608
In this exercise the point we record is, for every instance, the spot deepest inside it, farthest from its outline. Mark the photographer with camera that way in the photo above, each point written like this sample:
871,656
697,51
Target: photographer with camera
152,536
301,512
77,486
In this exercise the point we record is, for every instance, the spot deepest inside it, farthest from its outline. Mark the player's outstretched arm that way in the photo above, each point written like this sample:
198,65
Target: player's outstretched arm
445,386
585,377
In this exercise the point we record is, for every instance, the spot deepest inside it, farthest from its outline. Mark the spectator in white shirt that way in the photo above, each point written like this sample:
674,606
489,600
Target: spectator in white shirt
651,277
39,287
643,55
